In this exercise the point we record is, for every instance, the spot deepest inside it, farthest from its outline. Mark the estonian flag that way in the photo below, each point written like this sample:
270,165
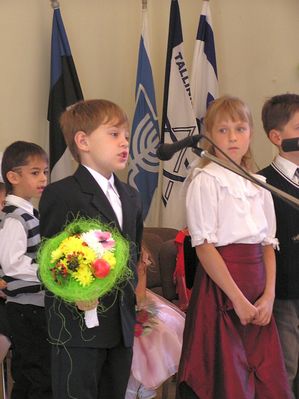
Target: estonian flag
65,90
178,122
143,162
204,82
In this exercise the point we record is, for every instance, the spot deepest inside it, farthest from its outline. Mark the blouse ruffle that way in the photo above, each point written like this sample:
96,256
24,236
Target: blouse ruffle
236,185
225,208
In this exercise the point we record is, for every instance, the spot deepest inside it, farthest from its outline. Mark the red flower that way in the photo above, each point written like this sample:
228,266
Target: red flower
101,268
142,316
138,330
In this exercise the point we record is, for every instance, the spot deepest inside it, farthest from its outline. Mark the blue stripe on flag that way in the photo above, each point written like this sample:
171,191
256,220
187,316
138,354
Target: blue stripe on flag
59,46
204,81
210,98
205,34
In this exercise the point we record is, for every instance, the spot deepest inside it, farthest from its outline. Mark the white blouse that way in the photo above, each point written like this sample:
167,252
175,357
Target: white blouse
224,208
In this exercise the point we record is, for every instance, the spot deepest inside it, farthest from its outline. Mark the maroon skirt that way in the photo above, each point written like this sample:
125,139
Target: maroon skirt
221,358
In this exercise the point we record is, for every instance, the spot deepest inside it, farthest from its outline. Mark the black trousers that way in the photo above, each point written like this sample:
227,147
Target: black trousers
30,352
90,373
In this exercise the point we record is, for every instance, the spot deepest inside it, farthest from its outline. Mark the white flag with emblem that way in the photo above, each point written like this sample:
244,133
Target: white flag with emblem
178,122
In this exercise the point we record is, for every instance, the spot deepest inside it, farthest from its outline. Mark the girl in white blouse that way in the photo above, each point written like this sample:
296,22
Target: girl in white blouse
231,347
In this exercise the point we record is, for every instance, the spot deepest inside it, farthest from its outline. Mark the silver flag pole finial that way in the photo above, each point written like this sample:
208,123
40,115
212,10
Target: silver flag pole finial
54,4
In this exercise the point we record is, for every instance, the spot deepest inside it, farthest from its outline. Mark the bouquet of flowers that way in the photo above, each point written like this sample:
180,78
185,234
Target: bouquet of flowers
84,262
146,319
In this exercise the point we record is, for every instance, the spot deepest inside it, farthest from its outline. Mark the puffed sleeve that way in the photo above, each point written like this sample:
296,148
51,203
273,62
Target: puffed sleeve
269,210
201,203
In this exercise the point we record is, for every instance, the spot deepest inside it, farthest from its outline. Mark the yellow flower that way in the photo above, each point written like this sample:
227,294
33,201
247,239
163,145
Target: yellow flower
83,275
56,254
110,258
86,255
76,257
68,246
71,244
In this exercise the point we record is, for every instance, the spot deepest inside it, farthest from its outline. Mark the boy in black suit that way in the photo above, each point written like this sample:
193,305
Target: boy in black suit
93,363
280,115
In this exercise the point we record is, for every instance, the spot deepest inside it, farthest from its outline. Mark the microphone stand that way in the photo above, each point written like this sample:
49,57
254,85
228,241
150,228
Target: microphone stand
293,201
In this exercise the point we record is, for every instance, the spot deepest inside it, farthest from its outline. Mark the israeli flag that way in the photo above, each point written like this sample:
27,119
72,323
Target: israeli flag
143,169
204,81
178,122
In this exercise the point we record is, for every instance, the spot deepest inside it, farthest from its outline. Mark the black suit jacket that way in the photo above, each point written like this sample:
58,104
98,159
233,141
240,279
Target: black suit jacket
61,202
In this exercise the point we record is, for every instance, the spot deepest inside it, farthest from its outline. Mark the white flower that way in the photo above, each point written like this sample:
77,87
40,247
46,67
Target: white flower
92,241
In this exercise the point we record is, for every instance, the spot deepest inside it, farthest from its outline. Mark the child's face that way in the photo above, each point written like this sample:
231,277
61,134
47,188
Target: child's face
29,181
106,148
289,131
232,137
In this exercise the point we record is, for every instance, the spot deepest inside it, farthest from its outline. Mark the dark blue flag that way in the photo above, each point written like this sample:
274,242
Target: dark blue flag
143,164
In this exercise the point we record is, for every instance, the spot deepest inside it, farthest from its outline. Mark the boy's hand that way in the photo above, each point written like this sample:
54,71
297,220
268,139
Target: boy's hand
87,305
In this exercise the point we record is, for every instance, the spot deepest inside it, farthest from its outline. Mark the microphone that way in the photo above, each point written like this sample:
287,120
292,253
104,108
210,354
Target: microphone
166,151
290,144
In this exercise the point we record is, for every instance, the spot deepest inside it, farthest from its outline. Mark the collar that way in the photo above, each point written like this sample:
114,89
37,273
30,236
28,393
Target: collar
102,181
19,202
285,166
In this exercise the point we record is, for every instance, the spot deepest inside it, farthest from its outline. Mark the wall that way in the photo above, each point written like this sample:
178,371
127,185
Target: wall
256,46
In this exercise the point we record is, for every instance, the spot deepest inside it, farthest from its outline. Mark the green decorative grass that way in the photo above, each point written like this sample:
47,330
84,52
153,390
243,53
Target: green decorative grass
71,290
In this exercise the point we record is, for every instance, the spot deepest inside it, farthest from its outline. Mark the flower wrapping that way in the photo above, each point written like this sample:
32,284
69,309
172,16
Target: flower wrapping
85,261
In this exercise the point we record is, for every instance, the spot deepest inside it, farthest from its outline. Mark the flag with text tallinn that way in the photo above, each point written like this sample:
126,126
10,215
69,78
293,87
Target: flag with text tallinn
204,81
143,171
178,122
65,90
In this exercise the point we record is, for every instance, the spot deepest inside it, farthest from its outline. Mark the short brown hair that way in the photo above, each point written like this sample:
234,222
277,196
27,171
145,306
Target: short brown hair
18,154
86,116
278,110
234,108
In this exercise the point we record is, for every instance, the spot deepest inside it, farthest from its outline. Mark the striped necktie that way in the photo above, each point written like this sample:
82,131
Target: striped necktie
296,176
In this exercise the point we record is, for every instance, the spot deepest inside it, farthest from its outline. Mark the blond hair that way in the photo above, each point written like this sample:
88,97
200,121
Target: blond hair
87,116
235,109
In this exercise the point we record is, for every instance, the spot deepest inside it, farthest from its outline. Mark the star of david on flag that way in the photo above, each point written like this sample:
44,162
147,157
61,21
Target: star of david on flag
178,122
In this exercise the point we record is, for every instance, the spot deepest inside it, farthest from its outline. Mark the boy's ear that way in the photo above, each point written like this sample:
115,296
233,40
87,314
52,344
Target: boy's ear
13,177
81,140
275,137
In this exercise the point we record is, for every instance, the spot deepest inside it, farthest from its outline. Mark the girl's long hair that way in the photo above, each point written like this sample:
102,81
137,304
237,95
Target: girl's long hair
223,108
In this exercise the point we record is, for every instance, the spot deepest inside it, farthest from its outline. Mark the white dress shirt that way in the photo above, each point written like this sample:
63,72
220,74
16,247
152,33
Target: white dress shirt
286,168
13,245
224,208
109,189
